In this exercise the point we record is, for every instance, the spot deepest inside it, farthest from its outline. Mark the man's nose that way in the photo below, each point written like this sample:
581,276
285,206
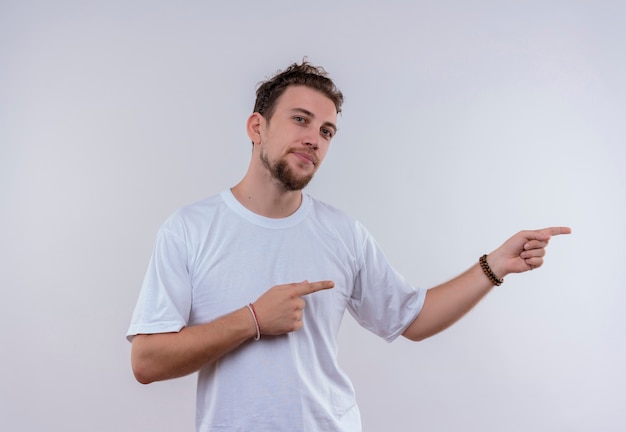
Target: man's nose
312,139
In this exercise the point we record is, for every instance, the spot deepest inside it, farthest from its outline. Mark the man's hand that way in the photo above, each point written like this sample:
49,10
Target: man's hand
524,251
281,308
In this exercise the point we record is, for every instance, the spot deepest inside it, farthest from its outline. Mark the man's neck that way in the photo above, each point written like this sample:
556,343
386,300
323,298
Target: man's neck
272,202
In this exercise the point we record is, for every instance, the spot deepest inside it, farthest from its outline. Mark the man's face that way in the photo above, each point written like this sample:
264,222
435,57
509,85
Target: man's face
295,140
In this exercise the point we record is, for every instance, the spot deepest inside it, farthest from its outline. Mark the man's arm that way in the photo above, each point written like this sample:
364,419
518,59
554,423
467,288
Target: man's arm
161,356
448,302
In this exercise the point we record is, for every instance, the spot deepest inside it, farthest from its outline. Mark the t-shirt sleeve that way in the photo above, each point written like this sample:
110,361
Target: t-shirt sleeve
164,302
383,301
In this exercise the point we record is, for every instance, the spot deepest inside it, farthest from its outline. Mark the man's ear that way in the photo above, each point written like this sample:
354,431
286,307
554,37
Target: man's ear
254,126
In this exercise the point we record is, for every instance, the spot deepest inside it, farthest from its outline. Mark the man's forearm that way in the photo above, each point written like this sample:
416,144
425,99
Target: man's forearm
447,303
161,356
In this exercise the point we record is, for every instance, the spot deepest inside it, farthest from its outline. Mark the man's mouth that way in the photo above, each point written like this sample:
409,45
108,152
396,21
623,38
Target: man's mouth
306,157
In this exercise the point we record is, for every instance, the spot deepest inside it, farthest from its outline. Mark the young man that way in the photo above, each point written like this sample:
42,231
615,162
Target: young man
249,287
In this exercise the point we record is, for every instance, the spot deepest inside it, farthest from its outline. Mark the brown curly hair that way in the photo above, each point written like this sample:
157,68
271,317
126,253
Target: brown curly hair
303,74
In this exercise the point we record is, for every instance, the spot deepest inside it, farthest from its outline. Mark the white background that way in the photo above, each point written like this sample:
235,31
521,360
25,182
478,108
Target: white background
464,122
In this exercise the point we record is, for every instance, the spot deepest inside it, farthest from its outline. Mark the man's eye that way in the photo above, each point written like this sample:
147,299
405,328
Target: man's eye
327,133
299,119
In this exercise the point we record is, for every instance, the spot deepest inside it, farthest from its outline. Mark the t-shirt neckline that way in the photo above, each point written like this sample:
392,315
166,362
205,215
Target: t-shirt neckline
272,223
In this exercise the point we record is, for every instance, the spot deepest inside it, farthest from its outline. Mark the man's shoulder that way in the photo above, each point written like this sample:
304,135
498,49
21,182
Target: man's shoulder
203,205
330,215
195,214
325,209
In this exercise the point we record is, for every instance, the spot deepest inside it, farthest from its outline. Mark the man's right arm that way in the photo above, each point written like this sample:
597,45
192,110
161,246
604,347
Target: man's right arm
161,356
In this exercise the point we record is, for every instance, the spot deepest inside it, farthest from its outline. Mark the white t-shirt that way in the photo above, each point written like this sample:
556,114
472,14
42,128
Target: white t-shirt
216,256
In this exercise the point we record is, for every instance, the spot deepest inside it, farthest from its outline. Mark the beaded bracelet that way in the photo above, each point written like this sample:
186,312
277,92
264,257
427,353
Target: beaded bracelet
256,321
488,272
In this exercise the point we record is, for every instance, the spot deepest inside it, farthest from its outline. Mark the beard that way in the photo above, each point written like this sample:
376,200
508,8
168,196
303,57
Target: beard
281,172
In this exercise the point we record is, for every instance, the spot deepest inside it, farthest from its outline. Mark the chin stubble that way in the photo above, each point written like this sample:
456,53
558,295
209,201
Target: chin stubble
285,176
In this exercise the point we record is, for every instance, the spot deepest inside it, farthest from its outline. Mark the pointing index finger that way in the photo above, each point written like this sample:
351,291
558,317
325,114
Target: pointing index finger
552,231
311,287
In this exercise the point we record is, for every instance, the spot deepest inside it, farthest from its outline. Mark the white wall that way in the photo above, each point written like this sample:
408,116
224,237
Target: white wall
464,122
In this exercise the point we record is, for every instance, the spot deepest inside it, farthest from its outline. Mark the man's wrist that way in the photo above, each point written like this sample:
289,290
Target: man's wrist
257,327
492,268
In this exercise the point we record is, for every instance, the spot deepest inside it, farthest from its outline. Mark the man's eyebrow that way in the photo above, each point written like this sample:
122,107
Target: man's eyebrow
310,114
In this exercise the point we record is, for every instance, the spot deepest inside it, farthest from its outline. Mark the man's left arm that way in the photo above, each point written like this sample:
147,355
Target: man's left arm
447,303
